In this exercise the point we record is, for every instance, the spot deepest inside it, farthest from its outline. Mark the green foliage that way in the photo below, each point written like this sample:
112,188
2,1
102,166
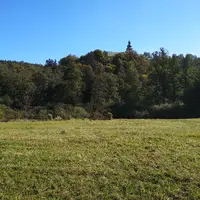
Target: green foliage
7,114
72,85
28,114
128,83
58,118
97,116
110,116
2,111
6,100
79,113
142,114
61,111
192,101
69,111
49,116
67,60
175,110
43,115
105,91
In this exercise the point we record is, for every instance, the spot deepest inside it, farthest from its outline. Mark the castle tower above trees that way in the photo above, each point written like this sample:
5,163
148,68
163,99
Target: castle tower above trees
129,47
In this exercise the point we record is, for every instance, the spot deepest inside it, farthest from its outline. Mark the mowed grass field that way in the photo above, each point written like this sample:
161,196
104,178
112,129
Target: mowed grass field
117,159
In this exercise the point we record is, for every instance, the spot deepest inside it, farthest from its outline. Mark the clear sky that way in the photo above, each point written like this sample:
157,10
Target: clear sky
35,30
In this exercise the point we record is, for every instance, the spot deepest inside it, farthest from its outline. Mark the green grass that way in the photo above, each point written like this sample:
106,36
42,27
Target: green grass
119,159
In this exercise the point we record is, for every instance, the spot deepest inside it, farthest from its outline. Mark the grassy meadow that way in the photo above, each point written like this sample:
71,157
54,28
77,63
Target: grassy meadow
117,159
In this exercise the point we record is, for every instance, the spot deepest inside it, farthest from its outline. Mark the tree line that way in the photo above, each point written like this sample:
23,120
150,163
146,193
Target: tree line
97,86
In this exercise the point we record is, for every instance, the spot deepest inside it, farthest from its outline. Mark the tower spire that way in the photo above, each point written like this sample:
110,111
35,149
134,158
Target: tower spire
129,47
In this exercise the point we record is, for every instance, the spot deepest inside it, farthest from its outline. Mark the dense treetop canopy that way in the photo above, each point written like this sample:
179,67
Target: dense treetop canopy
128,85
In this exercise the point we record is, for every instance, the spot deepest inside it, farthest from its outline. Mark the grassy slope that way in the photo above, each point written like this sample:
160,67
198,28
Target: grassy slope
119,159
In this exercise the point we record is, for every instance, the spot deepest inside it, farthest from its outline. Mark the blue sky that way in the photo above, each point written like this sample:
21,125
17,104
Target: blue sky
35,30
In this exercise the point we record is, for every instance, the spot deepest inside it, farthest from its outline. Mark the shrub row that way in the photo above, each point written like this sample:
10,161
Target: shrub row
44,113
58,112
66,112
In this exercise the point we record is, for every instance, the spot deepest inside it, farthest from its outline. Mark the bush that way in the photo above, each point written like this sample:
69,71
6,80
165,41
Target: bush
68,112
6,100
58,118
97,116
79,113
28,114
61,111
42,115
2,111
168,111
110,116
7,114
141,114
50,116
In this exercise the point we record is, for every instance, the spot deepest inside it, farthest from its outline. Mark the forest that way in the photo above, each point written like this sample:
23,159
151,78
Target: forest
97,86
